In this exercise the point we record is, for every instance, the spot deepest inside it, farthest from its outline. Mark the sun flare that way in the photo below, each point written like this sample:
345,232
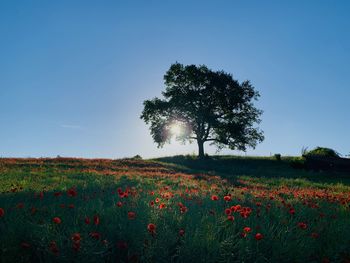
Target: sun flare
176,129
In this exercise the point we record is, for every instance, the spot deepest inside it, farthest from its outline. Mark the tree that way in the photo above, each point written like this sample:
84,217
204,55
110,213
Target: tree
210,106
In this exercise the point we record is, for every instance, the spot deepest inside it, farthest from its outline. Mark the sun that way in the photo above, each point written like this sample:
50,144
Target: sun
176,129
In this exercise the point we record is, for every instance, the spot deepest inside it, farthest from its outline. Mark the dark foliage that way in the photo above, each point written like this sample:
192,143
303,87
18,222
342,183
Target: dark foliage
210,105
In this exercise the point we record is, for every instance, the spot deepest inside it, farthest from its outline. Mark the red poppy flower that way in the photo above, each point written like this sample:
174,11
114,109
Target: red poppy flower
183,209
291,211
72,192
76,237
302,225
151,228
259,236
53,247
227,198
162,206
235,208
131,215
71,206
87,220
119,204
151,203
228,211
96,219
57,194
76,246
57,220
181,232
247,229
2,212
315,235
230,218
214,197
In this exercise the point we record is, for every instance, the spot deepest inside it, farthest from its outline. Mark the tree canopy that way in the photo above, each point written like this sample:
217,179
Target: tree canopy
210,106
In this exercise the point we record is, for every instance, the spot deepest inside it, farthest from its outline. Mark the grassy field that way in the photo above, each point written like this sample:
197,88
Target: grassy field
174,209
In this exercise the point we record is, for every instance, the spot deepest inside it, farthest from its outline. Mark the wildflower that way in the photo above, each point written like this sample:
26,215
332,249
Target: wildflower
151,203
302,225
227,198
53,247
76,237
230,218
247,229
57,220
181,232
96,220
72,192
2,212
151,228
228,211
162,206
235,208
258,236
315,235
214,197
76,246
291,211
119,204
183,209
87,220
131,215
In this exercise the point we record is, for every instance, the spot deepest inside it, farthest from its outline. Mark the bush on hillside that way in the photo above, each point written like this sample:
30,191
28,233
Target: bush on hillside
322,151
277,156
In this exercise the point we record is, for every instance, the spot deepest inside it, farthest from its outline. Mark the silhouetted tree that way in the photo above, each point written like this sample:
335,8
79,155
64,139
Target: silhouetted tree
209,105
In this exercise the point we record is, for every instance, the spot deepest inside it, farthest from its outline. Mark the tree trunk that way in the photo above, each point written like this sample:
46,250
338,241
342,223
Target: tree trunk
200,149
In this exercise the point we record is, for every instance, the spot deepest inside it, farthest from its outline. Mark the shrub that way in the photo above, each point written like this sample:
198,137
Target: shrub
322,151
277,156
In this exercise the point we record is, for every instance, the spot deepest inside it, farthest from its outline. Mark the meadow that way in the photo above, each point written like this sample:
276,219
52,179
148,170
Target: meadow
173,209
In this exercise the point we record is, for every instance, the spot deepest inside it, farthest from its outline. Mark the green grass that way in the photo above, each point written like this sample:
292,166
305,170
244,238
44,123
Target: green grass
269,188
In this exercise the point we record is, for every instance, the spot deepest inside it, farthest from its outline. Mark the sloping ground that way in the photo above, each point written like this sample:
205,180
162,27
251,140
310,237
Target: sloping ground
328,163
176,209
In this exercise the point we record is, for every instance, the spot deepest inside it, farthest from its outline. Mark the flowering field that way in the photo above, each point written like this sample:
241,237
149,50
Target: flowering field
171,210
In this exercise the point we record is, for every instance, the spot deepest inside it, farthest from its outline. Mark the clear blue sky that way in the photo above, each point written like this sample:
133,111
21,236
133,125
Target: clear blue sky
74,74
